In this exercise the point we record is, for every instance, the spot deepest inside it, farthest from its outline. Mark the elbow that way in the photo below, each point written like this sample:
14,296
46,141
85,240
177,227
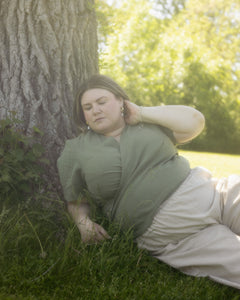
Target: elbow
198,124
194,128
199,121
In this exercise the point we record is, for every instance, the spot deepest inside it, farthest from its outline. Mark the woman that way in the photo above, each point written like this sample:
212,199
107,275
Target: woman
126,162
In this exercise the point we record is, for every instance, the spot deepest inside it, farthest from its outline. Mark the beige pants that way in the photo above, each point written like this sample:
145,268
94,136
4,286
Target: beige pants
197,230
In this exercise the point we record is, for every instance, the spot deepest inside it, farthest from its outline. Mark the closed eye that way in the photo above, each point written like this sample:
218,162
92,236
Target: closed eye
87,107
102,101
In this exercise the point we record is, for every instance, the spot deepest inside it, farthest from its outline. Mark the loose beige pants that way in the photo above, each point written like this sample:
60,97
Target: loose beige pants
197,230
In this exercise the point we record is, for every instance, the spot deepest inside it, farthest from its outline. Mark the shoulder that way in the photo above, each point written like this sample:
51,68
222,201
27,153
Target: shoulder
74,148
72,144
154,130
70,150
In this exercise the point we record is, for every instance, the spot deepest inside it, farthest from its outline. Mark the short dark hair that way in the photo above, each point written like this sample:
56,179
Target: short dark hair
94,82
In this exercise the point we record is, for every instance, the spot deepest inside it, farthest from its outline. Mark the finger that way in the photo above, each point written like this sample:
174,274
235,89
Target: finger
102,235
102,232
105,234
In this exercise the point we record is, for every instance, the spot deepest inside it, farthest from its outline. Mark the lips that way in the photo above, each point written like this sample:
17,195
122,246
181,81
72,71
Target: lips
98,119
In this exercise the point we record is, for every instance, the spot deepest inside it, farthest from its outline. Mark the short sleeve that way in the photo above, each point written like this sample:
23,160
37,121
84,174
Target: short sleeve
70,174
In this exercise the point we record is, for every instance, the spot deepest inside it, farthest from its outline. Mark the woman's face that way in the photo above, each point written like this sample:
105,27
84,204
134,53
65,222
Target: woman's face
102,111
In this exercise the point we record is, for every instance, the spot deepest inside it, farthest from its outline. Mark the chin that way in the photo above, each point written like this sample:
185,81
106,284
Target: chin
100,130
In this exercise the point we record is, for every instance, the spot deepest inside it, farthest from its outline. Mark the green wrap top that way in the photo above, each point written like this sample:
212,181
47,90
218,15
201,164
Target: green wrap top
128,179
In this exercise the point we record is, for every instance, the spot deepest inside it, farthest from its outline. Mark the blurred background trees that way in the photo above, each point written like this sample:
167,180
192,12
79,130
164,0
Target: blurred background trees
178,52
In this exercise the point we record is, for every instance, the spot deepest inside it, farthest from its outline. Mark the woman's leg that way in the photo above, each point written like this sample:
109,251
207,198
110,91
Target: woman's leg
213,252
187,232
230,201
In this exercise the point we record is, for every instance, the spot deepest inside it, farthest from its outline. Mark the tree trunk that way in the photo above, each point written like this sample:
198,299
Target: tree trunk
48,47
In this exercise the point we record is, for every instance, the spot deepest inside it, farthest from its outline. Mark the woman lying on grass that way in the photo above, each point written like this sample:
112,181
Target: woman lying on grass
126,160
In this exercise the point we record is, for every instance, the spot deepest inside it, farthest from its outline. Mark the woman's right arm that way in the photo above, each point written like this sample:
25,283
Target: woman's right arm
90,231
72,183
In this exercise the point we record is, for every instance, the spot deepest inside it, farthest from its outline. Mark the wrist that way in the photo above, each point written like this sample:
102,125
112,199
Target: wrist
83,221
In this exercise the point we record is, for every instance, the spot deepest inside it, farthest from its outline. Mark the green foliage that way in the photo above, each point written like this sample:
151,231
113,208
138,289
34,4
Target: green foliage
222,132
20,161
178,52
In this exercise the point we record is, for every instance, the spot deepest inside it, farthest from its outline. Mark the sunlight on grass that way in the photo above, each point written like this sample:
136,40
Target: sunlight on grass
42,257
220,165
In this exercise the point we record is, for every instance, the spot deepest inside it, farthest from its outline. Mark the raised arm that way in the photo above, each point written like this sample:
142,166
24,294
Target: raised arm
185,121
90,231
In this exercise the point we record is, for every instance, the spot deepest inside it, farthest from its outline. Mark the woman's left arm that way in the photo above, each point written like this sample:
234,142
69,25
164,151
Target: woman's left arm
185,121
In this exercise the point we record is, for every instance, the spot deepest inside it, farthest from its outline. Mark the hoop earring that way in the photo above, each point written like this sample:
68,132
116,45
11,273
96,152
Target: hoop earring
122,111
88,127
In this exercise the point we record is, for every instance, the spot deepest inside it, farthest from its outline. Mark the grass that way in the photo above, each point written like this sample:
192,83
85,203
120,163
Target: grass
221,165
42,257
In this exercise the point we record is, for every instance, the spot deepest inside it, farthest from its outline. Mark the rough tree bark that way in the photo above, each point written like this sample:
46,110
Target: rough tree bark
48,47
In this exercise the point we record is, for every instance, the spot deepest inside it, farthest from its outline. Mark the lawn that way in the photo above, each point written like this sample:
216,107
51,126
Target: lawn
220,165
42,257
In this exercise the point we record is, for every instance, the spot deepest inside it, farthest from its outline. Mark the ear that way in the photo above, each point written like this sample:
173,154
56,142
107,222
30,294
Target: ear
121,101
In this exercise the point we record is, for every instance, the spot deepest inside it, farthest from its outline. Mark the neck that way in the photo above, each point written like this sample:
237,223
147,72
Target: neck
116,133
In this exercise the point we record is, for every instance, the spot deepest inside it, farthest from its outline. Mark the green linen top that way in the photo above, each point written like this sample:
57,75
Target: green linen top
128,179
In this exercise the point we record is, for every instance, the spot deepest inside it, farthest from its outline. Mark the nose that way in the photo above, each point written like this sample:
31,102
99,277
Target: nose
95,109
